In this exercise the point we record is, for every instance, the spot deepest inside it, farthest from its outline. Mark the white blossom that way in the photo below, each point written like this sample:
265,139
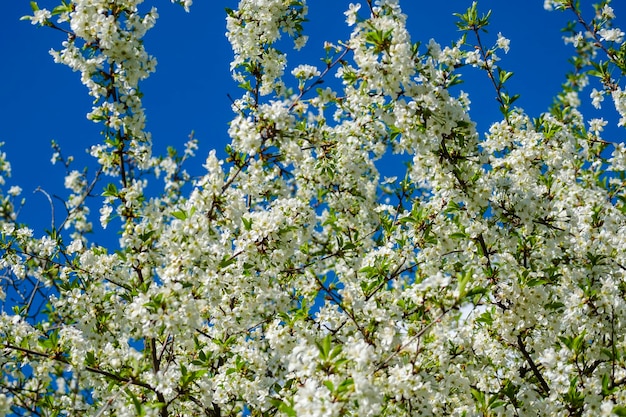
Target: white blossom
294,275
611,35
503,43
41,16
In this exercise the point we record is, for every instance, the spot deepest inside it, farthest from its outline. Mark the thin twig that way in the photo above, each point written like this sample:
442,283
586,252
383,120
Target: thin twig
42,191
533,366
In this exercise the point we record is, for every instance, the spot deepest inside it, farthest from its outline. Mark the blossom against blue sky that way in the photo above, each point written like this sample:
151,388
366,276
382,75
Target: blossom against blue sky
43,101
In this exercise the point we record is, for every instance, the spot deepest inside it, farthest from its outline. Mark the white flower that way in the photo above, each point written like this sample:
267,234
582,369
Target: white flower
597,97
281,270
607,12
185,3
305,72
47,246
8,228
24,232
606,409
74,181
572,99
15,191
503,43
5,402
351,13
619,99
40,16
300,42
611,35
597,125
75,246
105,215
473,58
434,49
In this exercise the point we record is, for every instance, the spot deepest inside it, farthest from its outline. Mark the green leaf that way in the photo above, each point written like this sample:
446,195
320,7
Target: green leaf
246,85
494,402
287,409
535,282
453,207
554,306
345,385
476,291
478,396
65,7
228,260
607,385
181,215
619,410
247,223
470,20
146,236
90,359
324,347
394,132
508,100
503,76
329,385
110,191
463,280
486,318
336,351
138,406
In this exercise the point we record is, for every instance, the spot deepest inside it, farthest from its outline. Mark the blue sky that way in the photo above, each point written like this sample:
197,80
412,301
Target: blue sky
42,100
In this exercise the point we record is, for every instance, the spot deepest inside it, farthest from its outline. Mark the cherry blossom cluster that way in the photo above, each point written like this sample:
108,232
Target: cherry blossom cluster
487,278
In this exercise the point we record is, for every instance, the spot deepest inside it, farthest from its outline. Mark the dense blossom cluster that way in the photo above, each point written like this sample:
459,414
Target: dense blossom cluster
290,279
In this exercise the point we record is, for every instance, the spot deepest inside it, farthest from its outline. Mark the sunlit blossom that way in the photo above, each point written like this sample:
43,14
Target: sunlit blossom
289,275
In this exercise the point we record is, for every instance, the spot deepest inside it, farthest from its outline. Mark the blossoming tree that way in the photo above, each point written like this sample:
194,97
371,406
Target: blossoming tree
290,279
